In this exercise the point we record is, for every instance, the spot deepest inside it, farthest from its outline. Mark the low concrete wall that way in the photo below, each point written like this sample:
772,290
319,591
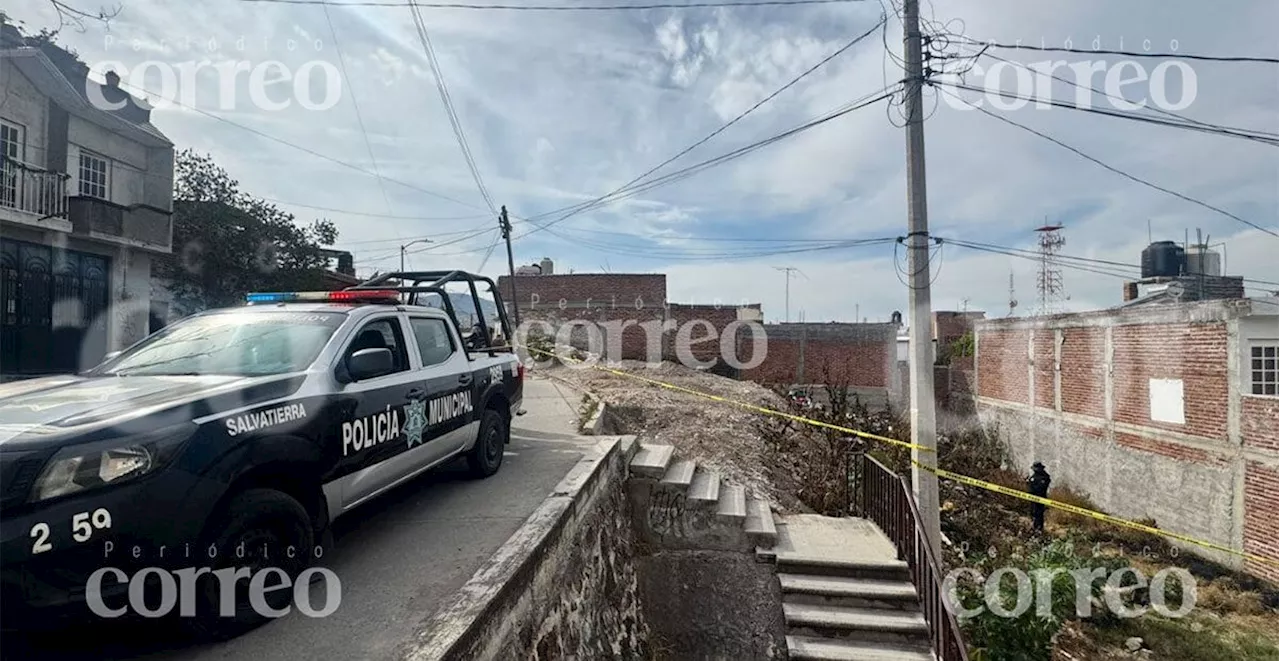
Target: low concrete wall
564,586
711,605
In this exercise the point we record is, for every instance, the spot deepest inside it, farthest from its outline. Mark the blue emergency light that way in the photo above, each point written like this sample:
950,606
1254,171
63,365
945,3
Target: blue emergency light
345,296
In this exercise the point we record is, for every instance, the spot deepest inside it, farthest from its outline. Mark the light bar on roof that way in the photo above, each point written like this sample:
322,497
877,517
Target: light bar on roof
349,296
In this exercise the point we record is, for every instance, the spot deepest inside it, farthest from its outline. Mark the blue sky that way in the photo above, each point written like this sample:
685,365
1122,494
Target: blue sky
559,107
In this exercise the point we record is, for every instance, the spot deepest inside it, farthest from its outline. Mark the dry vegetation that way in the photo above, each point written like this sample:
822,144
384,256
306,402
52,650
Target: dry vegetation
803,468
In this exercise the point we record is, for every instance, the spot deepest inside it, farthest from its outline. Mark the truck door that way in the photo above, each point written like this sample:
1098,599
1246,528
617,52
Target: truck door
446,374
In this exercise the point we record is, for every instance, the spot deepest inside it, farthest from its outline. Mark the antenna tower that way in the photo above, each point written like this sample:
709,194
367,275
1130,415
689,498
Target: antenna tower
1049,279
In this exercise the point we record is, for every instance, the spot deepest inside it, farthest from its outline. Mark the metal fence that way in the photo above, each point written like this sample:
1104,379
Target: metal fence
886,500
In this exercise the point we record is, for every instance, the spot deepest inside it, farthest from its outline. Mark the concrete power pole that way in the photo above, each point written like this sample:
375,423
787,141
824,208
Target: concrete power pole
788,270
923,430
505,223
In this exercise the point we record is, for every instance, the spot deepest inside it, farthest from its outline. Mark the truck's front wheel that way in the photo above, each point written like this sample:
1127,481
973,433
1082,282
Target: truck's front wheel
259,530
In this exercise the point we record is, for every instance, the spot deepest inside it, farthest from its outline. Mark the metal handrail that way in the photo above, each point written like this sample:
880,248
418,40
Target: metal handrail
888,502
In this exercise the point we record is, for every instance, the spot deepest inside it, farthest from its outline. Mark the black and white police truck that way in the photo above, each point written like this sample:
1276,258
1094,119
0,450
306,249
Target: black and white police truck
251,427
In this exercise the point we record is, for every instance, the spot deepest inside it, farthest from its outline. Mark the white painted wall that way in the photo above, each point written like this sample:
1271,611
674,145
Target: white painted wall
26,106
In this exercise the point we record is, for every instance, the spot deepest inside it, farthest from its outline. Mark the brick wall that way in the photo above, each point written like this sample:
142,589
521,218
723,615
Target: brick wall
1193,352
858,355
1044,367
949,326
1259,417
1083,373
719,317
633,339
1213,477
1260,530
1002,365
602,289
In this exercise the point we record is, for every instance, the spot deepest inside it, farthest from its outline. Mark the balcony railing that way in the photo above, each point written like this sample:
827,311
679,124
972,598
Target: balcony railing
139,224
33,190
887,501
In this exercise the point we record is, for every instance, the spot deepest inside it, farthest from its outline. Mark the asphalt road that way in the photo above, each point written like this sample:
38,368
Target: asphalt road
398,558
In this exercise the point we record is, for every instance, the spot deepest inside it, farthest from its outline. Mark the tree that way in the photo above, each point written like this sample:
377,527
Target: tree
227,243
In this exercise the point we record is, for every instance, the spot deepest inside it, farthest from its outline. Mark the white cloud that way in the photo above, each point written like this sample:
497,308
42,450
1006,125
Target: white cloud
560,107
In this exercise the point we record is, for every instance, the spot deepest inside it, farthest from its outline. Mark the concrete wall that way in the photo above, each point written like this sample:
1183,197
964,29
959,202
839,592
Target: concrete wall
564,586
712,606
1142,409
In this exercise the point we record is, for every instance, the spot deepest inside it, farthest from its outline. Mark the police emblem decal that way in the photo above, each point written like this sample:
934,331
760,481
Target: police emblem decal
415,421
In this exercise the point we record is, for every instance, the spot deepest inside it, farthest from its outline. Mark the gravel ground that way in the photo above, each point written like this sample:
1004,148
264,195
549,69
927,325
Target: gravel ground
716,434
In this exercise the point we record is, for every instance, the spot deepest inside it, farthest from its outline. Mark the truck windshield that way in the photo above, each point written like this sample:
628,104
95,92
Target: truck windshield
240,342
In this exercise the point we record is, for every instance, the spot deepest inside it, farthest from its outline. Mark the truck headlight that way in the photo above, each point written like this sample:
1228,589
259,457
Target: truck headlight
85,467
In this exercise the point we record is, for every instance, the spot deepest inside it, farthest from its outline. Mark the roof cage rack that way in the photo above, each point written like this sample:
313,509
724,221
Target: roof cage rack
414,283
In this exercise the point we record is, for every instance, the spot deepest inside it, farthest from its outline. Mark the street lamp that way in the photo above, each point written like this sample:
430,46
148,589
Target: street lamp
406,246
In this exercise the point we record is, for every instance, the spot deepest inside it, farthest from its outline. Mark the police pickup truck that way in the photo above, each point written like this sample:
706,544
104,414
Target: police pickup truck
243,428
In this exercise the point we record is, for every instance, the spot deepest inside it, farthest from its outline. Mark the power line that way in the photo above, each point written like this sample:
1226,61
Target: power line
342,62
510,7
579,208
724,158
1073,258
1116,170
1122,115
307,150
1102,51
1155,108
353,212
447,100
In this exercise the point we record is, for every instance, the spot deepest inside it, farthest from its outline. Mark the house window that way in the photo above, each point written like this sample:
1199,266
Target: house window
93,175
12,153
1262,368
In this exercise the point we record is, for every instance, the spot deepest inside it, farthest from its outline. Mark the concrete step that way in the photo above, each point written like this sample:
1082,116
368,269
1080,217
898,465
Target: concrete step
849,592
652,460
733,502
795,563
759,524
859,624
705,488
829,649
679,474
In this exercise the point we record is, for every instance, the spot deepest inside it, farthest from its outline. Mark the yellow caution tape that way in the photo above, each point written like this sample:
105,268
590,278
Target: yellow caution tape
965,479
945,474
744,405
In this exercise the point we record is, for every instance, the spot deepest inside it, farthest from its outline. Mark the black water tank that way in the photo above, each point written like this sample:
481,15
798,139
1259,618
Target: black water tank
1162,259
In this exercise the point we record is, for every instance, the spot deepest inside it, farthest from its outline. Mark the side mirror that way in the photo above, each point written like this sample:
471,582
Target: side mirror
370,363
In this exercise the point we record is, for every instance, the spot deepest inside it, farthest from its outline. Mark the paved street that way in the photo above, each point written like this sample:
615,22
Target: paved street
398,558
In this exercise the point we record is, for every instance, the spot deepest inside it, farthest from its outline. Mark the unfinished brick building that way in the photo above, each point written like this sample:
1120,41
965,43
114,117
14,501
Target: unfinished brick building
1167,411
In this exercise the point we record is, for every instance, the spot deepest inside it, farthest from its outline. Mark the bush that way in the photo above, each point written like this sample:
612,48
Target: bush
1030,635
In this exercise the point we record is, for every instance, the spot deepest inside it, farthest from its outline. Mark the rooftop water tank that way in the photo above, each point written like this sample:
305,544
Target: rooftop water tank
546,266
1162,259
1203,261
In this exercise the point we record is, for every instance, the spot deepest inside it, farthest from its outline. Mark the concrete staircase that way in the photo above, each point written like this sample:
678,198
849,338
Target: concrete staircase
845,596
684,505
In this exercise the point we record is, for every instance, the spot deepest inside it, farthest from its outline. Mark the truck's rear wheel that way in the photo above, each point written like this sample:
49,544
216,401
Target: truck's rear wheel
486,457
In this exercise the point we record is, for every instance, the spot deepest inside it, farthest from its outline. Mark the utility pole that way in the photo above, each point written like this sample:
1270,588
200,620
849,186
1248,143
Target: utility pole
923,430
788,270
505,223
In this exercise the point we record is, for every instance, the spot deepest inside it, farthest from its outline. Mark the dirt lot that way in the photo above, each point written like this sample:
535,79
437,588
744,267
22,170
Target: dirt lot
718,435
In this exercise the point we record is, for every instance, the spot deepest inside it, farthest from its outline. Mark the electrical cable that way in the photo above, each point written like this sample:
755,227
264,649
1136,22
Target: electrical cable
1116,170
307,150
511,7
342,62
724,158
579,208
421,26
352,212
1119,114
1167,55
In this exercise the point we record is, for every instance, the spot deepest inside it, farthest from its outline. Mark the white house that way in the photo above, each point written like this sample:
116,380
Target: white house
86,201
